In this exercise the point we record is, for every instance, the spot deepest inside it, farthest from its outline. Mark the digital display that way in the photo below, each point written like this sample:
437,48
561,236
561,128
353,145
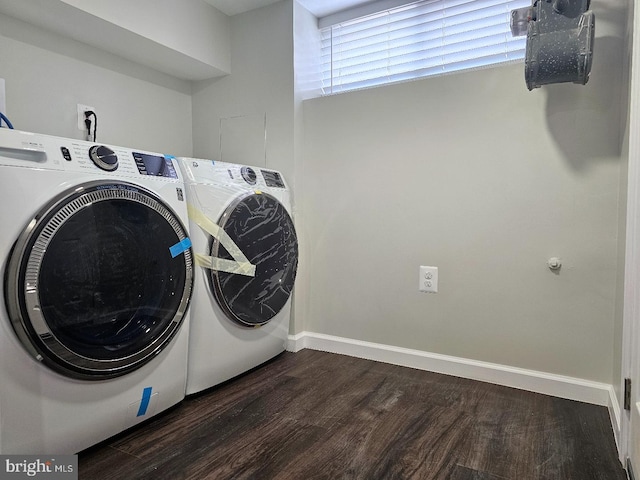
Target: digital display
272,179
154,165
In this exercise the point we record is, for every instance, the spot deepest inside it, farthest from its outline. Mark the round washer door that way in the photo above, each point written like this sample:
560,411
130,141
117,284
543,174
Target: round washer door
100,280
263,230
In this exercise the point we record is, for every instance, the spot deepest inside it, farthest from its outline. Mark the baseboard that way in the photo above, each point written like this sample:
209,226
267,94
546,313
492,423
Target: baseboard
615,416
540,382
298,342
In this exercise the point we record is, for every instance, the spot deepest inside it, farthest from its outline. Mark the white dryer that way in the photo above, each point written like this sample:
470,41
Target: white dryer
97,279
246,255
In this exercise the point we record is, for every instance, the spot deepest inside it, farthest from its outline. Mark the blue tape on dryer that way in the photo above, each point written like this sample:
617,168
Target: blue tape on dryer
144,403
180,247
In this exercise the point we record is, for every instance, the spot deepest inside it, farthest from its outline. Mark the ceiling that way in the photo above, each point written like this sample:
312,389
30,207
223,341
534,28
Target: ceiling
320,8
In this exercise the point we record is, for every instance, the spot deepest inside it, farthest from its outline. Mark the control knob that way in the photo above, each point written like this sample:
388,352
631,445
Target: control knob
249,175
103,157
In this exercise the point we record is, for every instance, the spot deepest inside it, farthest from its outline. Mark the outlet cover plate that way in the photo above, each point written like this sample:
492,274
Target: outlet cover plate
428,281
81,117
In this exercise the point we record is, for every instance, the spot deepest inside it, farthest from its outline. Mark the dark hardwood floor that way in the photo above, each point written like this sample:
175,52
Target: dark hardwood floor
315,415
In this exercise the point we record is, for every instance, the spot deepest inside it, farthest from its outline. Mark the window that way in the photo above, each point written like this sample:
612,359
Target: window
417,40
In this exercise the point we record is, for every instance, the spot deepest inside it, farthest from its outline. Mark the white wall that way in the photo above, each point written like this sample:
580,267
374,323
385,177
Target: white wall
184,38
261,82
48,75
474,174
307,43
191,27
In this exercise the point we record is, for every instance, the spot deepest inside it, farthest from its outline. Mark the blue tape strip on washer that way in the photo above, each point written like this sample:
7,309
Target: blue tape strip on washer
169,157
180,247
144,403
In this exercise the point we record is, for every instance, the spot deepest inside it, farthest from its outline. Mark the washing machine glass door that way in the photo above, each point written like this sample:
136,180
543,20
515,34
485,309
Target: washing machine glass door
99,282
263,230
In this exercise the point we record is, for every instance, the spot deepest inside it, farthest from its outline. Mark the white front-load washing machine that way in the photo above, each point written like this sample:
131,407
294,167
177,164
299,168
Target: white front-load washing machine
246,255
97,280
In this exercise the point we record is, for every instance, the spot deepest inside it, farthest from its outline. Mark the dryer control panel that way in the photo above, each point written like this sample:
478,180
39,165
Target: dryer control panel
272,179
243,176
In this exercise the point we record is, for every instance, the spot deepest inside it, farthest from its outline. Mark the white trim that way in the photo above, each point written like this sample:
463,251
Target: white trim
540,382
298,342
631,309
614,415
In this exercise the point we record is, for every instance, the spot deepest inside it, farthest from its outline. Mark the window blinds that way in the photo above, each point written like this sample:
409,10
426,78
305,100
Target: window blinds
417,40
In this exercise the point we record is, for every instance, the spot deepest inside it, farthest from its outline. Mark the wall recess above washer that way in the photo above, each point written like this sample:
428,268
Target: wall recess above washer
140,31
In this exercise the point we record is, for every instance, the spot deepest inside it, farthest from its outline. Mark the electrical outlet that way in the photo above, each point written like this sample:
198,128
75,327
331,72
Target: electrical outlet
428,281
81,117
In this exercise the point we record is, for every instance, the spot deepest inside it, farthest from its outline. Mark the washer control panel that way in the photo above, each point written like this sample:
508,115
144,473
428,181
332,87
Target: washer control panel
31,150
156,165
